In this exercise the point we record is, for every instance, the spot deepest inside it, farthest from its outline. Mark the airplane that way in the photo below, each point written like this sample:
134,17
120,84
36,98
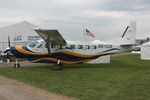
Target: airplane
55,49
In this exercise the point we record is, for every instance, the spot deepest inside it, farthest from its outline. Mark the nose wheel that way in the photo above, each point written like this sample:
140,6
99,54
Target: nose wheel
17,65
57,67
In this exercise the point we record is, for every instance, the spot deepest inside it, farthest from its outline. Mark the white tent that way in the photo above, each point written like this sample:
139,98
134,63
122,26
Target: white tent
19,34
145,51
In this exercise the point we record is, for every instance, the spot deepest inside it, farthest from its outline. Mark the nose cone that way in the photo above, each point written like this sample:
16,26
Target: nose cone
13,50
7,49
18,51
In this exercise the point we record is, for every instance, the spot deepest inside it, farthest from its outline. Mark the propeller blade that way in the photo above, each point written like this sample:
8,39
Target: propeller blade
8,48
8,41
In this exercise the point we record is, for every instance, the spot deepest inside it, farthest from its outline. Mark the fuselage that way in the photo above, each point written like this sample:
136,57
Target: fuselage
72,52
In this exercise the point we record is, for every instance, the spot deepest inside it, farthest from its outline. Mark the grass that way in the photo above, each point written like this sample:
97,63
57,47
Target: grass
125,78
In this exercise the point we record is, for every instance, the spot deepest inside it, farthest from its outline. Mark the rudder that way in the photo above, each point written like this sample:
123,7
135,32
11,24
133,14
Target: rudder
129,35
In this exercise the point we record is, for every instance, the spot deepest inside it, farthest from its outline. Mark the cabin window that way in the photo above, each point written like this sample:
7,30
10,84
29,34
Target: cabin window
105,46
33,44
87,47
93,46
54,46
40,46
80,46
72,46
63,46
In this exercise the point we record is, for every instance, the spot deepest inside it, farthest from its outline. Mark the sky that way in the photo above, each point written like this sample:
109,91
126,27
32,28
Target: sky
106,19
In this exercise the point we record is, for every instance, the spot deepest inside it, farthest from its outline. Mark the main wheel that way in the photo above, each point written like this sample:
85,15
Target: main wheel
17,65
56,68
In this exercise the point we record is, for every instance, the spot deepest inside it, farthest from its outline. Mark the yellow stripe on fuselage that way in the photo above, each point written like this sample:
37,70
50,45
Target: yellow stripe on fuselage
52,59
61,61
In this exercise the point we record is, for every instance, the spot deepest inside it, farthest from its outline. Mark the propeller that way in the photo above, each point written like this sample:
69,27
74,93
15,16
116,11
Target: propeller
8,48
8,42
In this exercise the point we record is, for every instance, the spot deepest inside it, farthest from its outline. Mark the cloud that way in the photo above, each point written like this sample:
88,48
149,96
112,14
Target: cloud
105,18
126,5
102,13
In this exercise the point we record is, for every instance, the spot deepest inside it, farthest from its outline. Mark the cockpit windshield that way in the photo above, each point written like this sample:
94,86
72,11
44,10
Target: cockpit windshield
40,46
32,45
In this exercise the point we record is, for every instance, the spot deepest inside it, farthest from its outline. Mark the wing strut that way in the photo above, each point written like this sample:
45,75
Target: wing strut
48,45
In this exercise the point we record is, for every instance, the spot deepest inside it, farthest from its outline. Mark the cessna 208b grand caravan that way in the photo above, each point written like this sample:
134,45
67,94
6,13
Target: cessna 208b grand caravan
55,49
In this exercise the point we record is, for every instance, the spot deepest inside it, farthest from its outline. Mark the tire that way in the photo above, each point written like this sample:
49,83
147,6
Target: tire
17,65
60,64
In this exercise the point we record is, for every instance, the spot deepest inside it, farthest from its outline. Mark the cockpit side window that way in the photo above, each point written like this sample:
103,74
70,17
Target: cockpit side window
32,45
54,46
63,46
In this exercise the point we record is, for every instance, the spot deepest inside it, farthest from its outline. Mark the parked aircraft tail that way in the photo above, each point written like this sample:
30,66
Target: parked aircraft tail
129,35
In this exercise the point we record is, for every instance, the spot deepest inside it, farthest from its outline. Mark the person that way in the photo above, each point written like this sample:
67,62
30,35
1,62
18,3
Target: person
1,59
8,58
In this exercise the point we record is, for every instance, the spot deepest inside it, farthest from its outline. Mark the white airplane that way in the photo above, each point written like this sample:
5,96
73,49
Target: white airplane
55,49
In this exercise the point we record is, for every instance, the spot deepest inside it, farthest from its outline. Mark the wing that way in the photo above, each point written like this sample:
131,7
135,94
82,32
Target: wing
52,36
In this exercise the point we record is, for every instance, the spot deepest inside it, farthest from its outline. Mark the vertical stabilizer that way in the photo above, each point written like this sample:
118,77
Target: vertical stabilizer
129,35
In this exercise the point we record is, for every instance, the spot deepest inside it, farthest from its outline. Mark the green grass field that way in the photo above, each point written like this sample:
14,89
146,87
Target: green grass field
125,78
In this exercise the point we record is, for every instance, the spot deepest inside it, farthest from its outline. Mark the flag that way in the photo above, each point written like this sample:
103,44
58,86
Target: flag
88,33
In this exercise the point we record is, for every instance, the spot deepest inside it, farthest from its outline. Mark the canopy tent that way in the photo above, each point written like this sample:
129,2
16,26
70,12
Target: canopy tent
145,51
19,34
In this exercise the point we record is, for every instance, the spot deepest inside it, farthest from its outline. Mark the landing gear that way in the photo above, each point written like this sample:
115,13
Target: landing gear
57,67
16,65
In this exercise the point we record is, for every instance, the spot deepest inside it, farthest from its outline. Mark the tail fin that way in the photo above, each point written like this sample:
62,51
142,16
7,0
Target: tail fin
129,35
